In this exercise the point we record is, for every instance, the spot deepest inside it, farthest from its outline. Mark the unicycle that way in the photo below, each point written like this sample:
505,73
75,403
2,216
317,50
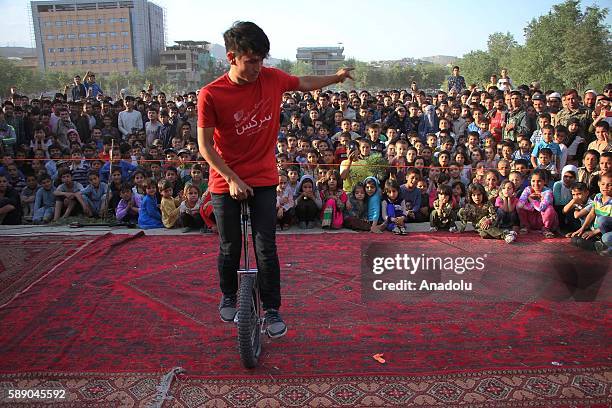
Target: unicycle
249,314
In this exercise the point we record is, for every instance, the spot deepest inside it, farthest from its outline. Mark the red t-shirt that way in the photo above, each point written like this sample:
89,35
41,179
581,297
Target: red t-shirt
246,122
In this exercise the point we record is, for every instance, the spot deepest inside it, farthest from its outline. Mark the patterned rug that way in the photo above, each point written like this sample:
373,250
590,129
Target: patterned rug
24,261
505,388
110,323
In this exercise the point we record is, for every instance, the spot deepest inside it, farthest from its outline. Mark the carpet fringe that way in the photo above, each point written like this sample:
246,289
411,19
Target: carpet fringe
164,387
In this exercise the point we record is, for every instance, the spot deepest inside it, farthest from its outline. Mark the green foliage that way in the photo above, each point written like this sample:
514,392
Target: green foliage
477,67
301,68
285,65
566,48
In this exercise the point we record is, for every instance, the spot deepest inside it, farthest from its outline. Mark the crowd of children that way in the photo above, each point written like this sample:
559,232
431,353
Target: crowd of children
506,162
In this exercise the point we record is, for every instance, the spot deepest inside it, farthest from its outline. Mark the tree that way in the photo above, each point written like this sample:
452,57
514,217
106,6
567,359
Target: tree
566,48
156,76
499,45
302,68
477,67
285,65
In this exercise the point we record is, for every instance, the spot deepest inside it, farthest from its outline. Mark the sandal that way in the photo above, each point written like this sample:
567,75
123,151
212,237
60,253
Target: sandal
548,234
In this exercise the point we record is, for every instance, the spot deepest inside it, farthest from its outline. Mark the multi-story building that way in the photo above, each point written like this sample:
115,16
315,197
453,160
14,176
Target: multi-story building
184,63
324,60
103,36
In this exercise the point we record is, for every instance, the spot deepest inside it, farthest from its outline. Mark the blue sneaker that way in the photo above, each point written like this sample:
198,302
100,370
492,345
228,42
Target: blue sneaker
227,308
275,326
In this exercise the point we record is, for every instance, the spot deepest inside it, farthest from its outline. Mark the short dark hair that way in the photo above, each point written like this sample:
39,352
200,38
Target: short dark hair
244,37
579,186
604,125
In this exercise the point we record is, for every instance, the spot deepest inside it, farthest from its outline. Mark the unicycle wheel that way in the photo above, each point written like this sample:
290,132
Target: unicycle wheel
249,324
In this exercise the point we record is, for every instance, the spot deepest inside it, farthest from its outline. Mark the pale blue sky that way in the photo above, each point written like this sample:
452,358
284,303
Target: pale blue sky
369,30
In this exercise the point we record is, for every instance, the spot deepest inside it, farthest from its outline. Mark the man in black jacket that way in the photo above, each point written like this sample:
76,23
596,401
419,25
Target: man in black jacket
78,91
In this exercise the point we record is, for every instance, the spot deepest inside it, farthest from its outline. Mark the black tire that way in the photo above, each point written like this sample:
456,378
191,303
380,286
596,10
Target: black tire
249,334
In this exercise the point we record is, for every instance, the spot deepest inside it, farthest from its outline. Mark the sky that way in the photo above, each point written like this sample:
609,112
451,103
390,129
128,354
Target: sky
368,30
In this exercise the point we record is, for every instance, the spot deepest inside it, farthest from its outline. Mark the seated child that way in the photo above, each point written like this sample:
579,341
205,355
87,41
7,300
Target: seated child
207,212
535,206
545,162
190,209
333,200
149,215
307,202
356,214
373,199
284,202
562,194
507,217
423,188
481,213
129,205
44,204
94,195
68,196
492,185
459,191
443,215
394,208
169,205
28,195
577,208
599,220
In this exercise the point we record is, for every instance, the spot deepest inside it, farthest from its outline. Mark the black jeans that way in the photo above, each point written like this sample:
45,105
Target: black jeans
262,206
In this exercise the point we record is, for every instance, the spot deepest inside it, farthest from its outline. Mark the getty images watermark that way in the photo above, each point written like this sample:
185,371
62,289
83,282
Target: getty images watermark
422,270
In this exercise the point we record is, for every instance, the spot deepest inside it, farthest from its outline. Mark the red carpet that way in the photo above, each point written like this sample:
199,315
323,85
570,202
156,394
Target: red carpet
110,321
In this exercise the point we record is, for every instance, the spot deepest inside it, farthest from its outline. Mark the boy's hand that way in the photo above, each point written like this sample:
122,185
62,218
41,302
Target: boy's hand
589,234
577,233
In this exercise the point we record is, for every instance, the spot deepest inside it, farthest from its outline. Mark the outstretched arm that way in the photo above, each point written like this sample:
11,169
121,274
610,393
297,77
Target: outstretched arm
309,83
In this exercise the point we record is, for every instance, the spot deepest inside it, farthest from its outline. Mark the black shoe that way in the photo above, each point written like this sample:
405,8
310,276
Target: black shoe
227,308
275,326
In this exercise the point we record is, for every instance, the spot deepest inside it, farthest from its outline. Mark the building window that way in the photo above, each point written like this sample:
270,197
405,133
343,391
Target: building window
126,60
59,23
103,48
69,22
125,33
113,34
91,21
104,61
73,62
51,50
83,49
52,64
114,47
115,60
102,34
112,20
50,37
80,22
71,36
93,35
100,21
48,23
93,61
125,46
63,63
61,49
123,20
93,48
82,35
83,62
